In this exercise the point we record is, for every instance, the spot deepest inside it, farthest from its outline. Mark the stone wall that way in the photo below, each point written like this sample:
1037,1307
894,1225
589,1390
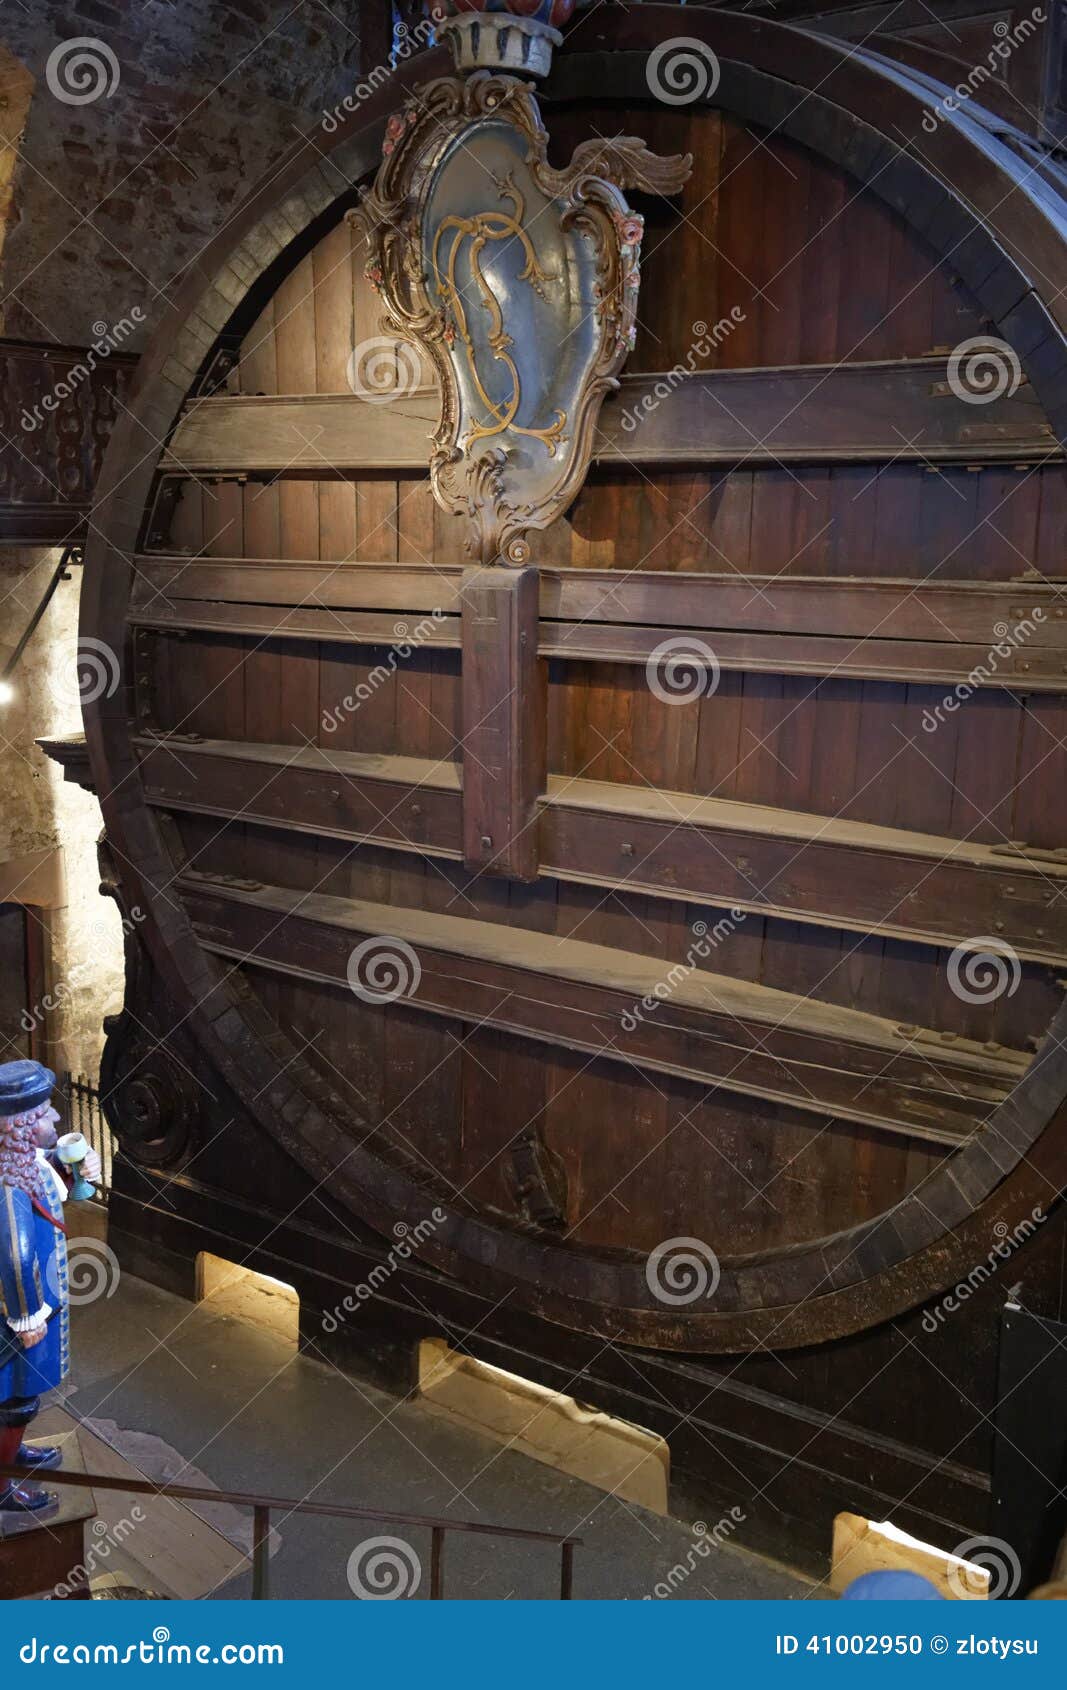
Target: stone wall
138,146
132,130
42,814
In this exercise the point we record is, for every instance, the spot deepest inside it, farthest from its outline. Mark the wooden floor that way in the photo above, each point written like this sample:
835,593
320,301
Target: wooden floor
158,1545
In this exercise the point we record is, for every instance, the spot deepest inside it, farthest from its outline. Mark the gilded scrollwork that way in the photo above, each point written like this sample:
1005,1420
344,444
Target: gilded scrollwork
518,282
488,226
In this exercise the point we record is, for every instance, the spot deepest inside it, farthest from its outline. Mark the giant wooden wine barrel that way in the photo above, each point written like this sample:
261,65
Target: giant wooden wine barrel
664,935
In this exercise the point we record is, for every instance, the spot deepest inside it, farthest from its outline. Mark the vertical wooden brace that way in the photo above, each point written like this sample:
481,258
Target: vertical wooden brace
505,705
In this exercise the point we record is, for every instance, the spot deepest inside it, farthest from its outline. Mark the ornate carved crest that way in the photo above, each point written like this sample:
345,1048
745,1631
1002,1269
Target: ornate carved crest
518,281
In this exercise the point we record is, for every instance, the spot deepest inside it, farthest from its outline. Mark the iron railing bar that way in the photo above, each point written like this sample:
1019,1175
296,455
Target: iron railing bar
437,1551
566,1568
260,1554
244,1499
83,1113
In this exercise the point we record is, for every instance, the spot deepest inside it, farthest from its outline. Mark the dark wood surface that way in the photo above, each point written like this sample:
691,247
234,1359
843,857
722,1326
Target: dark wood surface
788,554
15,993
924,662
579,996
906,411
504,722
791,1448
851,607
45,1553
56,416
985,634
1030,1452
831,872
946,44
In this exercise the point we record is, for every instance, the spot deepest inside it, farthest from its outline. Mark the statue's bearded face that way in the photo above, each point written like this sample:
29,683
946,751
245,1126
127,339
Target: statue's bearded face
44,1130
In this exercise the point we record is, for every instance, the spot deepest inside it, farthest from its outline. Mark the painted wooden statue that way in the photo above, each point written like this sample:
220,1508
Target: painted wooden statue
34,1329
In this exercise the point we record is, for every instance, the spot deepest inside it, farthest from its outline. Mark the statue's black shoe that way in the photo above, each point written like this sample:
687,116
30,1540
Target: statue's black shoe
38,1456
20,1499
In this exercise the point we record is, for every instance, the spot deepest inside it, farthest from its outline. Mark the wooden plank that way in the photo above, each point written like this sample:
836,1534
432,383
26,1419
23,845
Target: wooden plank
294,342
407,803
803,624
857,412
742,1037
847,657
809,868
355,627
352,584
333,270
173,1551
846,606
504,720
944,663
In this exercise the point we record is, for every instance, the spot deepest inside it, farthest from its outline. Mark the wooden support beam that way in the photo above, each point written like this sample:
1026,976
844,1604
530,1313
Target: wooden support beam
925,662
311,584
812,625
849,607
505,710
405,803
268,621
817,869
888,607
847,657
904,410
797,1051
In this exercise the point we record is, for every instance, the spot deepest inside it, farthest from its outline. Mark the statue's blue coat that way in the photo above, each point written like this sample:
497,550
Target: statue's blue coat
33,1270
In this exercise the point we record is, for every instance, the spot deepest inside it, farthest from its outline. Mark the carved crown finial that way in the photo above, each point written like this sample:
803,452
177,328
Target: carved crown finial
504,35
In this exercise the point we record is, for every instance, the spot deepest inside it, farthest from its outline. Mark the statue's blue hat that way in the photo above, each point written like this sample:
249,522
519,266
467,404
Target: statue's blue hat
24,1085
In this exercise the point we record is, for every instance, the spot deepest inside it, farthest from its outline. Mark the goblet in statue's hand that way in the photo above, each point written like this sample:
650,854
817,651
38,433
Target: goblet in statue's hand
74,1151
29,1339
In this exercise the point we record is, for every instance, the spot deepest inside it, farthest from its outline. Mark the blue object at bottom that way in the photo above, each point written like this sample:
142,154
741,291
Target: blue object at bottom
891,1586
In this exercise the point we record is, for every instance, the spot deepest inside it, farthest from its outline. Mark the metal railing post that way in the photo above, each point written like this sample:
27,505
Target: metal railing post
263,1506
437,1552
260,1553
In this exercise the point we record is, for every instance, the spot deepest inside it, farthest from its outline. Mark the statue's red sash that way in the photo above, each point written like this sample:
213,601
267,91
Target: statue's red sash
43,1212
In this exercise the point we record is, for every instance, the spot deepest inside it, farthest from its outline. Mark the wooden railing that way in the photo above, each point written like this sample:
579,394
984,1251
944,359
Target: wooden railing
262,1507
58,405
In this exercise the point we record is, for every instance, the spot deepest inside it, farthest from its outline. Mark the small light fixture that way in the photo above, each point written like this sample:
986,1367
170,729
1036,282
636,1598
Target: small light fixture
7,692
